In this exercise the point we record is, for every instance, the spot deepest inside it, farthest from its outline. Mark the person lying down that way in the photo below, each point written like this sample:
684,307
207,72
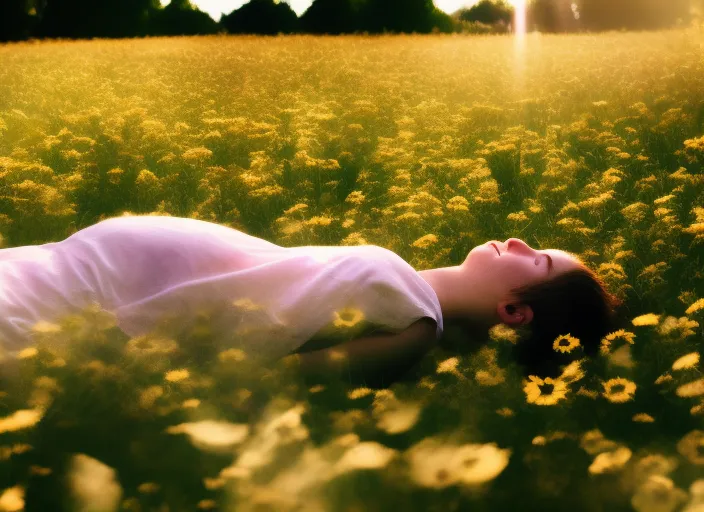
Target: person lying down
331,310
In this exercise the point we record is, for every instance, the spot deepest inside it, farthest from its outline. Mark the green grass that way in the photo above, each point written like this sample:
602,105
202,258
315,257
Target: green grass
591,144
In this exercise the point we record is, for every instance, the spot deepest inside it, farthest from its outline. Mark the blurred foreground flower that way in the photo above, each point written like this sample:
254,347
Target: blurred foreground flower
691,446
610,461
211,435
21,419
12,499
658,494
93,485
436,464
696,502
278,428
394,416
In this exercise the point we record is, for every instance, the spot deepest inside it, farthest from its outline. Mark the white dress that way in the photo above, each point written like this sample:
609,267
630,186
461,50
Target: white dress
261,297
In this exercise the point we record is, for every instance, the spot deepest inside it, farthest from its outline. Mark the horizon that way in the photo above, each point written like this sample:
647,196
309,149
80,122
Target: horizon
215,8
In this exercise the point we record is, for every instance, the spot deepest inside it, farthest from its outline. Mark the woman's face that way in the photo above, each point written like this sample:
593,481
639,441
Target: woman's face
498,267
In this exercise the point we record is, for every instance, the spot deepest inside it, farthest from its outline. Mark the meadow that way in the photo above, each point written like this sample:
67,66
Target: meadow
425,145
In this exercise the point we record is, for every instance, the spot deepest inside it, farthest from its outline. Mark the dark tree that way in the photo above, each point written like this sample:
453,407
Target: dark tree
552,16
90,18
180,17
261,17
489,12
332,17
15,20
402,16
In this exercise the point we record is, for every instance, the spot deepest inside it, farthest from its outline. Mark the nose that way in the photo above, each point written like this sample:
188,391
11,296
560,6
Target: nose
518,245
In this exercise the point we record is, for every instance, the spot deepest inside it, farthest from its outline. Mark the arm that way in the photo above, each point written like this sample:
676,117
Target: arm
370,359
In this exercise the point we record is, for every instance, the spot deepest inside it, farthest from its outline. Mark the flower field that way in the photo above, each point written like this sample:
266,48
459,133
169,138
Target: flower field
425,145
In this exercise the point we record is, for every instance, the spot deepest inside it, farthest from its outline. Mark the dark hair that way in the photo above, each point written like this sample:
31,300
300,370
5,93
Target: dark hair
575,303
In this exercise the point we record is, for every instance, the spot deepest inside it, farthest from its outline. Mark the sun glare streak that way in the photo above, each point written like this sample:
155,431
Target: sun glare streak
519,46
520,17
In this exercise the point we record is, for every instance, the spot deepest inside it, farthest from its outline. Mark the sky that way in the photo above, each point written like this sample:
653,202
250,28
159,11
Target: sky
217,7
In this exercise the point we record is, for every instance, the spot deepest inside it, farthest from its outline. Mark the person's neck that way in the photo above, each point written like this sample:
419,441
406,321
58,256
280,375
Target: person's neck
459,299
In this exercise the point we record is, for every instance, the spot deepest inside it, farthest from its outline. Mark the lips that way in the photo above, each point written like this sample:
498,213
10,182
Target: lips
497,249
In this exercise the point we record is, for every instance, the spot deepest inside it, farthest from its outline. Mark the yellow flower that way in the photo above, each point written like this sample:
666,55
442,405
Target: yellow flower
150,395
46,327
354,239
658,493
569,346
347,317
150,344
437,465
588,393
643,418
212,435
503,332
27,353
148,488
665,377
246,304
207,504
319,220
691,445
359,393
232,354
610,461
518,217
457,204
621,333
12,499
355,197
197,154
19,420
619,395
191,403
690,389
295,208
448,365
177,375
366,455
698,305
486,378
572,372
38,471
425,241
681,327
648,319
686,362
538,396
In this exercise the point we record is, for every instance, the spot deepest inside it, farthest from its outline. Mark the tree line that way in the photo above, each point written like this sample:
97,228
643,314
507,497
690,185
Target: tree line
79,19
